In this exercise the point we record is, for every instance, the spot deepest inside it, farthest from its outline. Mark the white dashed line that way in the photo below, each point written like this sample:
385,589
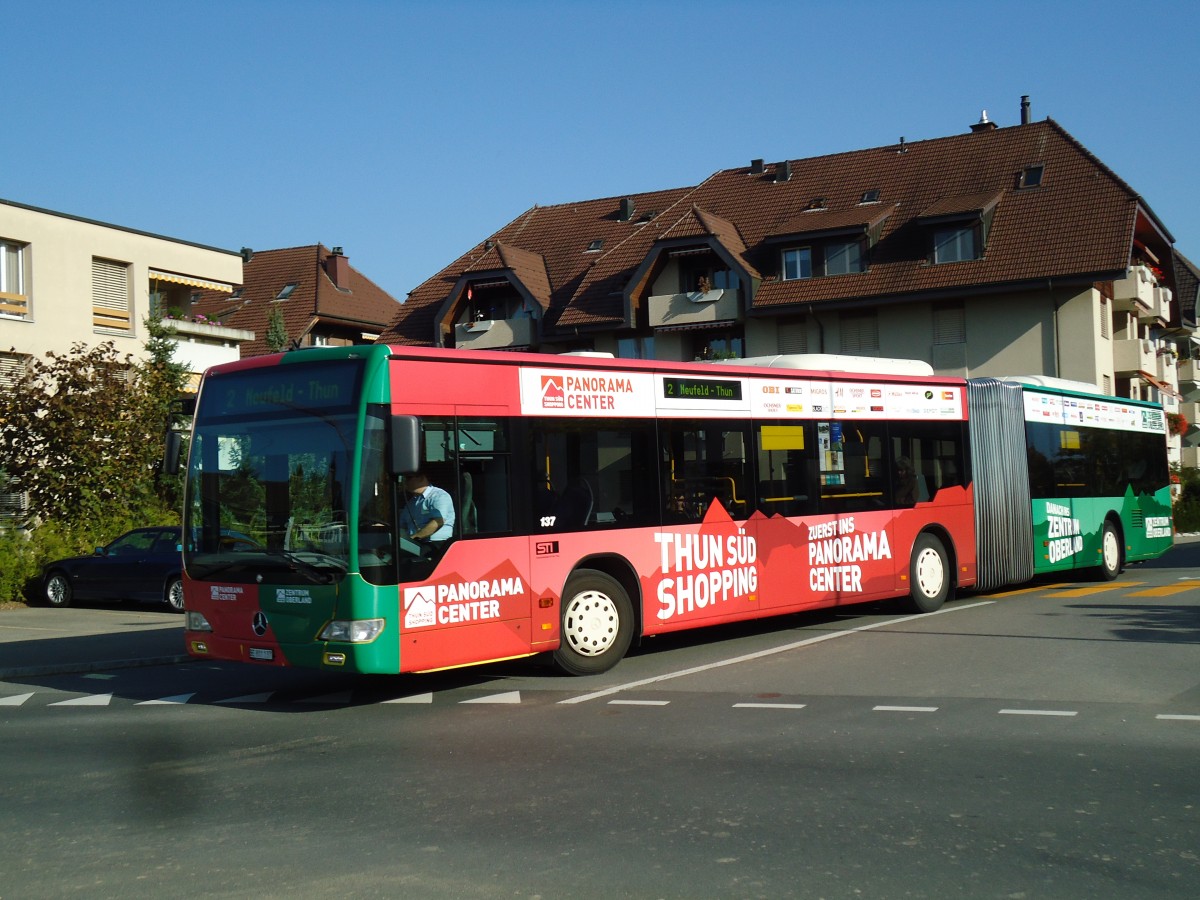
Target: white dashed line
912,709
638,702
762,654
177,699
769,705
1065,713
508,697
1170,717
15,699
88,700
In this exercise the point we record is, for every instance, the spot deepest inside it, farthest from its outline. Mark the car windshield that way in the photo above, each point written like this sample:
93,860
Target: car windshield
268,490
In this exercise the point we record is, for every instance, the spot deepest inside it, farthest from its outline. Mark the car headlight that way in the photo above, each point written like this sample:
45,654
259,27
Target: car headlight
352,631
197,622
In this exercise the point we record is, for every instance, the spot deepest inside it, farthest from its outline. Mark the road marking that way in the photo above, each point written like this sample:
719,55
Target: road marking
914,709
88,700
177,698
1038,712
1167,590
639,702
413,698
1170,717
769,705
762,654
15,699
1097,589
507,697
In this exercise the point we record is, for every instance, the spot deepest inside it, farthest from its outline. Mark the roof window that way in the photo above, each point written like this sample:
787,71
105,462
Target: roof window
871,196
595,246
1031,177
287,291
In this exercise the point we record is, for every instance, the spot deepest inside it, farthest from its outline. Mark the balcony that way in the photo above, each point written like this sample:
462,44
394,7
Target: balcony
199,345
1135,290
1133,356
496,334
696,308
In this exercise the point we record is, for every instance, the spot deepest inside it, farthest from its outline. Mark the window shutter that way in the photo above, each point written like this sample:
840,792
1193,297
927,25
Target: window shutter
110,294
12,367
1105,324
860,333
949,324
792,337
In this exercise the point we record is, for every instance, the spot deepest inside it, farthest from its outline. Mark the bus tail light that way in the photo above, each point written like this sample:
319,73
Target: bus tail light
352,631
197,622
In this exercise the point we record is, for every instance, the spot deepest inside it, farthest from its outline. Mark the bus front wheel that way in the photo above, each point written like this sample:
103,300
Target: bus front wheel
1110,554
929,574
597,623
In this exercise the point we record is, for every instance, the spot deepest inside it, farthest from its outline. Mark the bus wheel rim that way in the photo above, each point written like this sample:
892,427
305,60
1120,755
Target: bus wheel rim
931,575
590,623
1111,553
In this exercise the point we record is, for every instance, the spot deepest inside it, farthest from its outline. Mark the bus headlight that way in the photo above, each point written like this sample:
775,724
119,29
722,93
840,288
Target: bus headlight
352,631
197,622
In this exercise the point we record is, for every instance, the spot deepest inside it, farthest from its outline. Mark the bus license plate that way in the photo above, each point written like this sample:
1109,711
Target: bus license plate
261,653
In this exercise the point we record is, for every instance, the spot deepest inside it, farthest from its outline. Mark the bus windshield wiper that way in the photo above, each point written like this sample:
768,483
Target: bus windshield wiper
311,566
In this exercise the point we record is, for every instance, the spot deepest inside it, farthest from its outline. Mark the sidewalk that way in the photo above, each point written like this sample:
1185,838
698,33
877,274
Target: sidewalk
42,641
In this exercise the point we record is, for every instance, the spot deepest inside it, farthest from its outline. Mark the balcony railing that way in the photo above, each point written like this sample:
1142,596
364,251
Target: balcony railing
495,334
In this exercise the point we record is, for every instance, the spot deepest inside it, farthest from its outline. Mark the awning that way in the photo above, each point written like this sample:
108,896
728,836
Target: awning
1161,386
190,281
698,326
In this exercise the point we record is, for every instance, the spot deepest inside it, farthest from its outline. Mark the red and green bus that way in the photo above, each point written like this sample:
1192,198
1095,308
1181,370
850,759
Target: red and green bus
602,501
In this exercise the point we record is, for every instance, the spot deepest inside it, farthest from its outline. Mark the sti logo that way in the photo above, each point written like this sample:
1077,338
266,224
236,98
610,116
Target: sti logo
546,548
553,396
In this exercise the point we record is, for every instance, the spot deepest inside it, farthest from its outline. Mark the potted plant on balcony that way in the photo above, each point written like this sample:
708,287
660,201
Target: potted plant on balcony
1177,424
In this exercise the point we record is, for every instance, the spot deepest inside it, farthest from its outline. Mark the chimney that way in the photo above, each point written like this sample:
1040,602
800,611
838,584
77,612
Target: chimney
783,171
247,254
337,267
1024,109
984,123
756,167
625,213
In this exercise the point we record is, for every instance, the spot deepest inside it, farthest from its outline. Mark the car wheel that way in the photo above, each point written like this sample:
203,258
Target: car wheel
58,589
597,623
174,594
929,575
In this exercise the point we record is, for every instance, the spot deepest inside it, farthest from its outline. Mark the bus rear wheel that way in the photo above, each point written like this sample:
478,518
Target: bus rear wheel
597,623
1110,554
929,574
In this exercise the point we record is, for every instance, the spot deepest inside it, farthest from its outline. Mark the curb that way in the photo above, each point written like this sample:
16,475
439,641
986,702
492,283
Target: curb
95,666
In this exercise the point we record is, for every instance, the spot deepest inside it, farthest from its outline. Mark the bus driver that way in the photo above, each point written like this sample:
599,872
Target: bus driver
428,513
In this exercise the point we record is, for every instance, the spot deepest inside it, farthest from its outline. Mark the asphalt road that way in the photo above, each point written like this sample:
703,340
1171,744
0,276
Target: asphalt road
1040,743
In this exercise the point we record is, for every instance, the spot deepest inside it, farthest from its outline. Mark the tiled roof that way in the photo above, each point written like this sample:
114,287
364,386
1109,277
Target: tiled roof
1077,224
315,298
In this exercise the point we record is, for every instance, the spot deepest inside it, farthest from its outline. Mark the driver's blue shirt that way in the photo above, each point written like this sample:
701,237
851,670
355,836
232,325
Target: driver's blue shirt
431,503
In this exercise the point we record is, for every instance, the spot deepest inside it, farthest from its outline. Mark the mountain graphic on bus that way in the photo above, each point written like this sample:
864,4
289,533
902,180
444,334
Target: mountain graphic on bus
553,396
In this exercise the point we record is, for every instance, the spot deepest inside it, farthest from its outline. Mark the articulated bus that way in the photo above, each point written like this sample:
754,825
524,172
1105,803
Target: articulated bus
601,501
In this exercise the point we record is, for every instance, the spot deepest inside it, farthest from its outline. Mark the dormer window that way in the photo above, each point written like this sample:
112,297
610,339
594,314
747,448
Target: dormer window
843,257
1031,177
955,244
797,263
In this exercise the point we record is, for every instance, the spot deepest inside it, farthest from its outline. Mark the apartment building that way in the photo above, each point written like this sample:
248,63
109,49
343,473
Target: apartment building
997,251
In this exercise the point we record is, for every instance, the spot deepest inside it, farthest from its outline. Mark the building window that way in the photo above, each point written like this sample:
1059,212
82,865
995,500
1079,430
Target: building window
1031,177
718,345
860,333
706,273
14,292
954,244
110,295
797,263
949,324
636,347
843,258
792,337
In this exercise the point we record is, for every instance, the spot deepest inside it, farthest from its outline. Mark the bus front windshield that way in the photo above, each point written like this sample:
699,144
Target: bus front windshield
269,495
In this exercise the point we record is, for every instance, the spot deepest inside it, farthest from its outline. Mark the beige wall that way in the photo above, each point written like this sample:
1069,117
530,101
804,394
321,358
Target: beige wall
60,251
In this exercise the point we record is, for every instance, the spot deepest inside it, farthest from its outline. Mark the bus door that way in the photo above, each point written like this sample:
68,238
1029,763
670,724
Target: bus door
852,554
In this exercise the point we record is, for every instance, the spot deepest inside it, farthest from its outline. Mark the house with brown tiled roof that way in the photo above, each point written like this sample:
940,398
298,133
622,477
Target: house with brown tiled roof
998,251
299,297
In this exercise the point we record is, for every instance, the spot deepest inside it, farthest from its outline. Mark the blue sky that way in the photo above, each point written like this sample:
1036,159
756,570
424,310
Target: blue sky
407,132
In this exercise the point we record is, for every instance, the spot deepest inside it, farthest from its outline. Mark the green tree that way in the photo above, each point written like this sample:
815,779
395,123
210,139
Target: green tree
277,336
81,433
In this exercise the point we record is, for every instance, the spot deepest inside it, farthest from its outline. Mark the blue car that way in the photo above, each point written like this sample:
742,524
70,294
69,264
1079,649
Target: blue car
143,564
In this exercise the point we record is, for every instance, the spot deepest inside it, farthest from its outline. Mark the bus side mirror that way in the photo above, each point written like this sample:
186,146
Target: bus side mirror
406,444
171,453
